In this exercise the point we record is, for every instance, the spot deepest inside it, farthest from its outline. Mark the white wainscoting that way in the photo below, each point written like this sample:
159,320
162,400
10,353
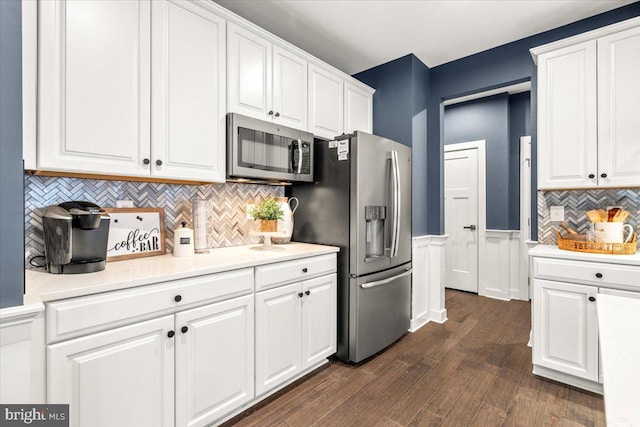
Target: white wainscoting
427,296
22,354
505,266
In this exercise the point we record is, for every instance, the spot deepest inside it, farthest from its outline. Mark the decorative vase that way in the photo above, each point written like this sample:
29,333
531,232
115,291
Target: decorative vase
268,225
286,224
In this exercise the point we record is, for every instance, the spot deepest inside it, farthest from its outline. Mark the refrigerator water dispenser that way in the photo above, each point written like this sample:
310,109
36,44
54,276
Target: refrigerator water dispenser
374,217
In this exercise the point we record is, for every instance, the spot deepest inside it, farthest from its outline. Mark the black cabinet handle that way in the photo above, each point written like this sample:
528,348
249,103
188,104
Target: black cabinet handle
592,299
599,275
146,161
300,294
591,176
177,298
277,114
307,292
271,112
159,162
184,329
170,334
304,270
603,175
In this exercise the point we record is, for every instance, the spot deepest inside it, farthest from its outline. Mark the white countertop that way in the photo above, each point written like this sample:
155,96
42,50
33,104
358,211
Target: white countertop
43,286
552,251
618,320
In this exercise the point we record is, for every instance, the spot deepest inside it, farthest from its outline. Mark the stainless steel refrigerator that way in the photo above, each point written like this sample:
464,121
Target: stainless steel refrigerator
360,200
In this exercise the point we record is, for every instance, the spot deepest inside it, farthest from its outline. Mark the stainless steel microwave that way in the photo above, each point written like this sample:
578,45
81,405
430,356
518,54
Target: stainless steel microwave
258,150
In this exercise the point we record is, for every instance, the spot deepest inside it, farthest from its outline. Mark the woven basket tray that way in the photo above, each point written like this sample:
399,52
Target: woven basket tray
597,247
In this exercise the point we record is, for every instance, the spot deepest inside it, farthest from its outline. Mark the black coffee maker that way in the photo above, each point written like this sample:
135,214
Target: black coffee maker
75,237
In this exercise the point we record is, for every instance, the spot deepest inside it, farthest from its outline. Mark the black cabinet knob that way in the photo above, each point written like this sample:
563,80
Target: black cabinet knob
300,294
159,162
591,176
170,334
304,270
146,161
271,112
184,329
603,175
307,292
277,114
599,275
592,299
177,298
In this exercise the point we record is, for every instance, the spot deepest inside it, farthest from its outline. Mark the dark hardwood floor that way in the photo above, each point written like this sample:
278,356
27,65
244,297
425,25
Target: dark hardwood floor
473,370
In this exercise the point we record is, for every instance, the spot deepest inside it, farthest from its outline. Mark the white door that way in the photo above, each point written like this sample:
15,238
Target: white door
289,88
278,336
565,328
249,78
214,360
619,109
325,102
461,219
567,118
122,377
93,86
358,109
188,93
319,319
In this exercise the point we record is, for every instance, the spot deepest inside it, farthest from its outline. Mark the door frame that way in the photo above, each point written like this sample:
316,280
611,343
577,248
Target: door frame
526,291
480,146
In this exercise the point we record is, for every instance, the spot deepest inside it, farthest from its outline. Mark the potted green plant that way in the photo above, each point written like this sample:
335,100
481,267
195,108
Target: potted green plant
268,213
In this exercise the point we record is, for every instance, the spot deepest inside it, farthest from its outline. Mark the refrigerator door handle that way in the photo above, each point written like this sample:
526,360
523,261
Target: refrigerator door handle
397,205
392,248
385,281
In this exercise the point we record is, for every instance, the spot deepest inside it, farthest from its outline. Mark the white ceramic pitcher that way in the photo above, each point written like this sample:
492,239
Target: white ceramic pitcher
286,224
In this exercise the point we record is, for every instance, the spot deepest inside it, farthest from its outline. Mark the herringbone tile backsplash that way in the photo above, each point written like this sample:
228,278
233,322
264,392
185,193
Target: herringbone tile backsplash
227,224
577,202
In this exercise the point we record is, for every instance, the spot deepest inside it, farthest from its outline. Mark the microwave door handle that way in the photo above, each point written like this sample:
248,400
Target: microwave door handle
299,157
292,149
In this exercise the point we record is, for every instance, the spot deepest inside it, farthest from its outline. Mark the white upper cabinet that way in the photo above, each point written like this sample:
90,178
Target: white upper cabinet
120,96
588,109
567,117
188,92
358,109
266,81
619,109
326,102
93,84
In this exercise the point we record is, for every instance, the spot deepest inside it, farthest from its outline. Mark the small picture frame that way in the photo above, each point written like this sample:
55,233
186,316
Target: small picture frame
135,233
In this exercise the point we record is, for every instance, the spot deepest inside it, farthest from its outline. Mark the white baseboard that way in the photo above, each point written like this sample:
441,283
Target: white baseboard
427,291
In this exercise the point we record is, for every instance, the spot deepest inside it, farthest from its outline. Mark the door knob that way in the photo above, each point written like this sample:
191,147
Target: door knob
470,227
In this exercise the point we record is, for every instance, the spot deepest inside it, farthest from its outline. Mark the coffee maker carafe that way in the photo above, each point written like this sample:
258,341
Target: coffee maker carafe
75,237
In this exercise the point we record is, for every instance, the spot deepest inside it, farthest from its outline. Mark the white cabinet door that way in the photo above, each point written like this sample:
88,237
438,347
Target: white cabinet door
249,78
289,88
93,85
565,328
358,109
326,104
214,360
567,114
278,336
188,92
122,377
619,109
319,319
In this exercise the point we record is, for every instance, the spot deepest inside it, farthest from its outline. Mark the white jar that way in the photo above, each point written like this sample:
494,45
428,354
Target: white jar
286,223
183,241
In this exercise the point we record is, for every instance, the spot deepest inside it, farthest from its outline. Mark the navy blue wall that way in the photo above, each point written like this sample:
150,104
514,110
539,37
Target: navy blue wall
519,125
400,113
11,172
500,66
488,119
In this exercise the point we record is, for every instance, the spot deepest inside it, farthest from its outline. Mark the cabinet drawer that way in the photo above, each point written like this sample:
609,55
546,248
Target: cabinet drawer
83,315
591,273
269,276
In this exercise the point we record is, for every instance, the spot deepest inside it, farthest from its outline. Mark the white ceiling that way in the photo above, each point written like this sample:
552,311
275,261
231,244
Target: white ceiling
354,35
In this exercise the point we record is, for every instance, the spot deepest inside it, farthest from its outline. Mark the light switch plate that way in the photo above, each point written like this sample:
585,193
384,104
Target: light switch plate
249,207
557,213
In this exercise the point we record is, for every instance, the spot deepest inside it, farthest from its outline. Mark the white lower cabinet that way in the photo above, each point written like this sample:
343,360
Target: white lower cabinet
295,329
125,376
566,328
